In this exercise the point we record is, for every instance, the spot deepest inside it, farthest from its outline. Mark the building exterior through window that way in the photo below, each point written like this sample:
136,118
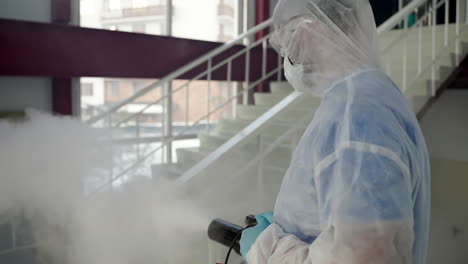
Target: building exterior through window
211,20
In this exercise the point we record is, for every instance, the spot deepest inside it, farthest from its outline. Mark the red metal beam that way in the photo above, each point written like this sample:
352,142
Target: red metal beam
262,14
61,11
62,88
62,96
52,50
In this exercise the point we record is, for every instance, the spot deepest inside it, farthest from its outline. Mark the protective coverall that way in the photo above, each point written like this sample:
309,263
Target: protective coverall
358,187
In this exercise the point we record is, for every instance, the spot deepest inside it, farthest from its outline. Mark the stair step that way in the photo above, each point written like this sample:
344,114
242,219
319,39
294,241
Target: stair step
251,112
209,141
395,64
281,87
304,105
189,155
278,159
268,99
420,88
270,132
230,126
418,102
166,171
426,33
417,95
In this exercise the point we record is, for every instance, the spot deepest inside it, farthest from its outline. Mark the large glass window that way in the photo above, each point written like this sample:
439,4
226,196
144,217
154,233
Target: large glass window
210,20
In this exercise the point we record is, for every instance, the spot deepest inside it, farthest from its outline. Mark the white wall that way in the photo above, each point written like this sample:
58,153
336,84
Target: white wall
448,241
36,10
18,93
445,126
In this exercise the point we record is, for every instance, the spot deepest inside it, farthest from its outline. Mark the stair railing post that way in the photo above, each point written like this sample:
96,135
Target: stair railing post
447,6
466,12
260,172
112,154
137,121
433,53
420,45
187,104
457,30
208,99
167,93
405,54
264,57
167,124
233,89
245,97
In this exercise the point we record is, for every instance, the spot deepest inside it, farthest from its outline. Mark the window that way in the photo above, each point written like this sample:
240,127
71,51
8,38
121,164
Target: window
230,2
124,27
87,89
154,28
140,3
139,28
114,5
113,88
87,8
138,85
201,19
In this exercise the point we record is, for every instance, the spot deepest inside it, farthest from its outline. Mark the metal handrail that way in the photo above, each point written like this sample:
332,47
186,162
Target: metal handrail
400,16
214,68
166,141
253,129
181,71
247,132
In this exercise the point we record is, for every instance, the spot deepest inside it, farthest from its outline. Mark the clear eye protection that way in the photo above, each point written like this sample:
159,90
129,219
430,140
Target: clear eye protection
284,40
276,42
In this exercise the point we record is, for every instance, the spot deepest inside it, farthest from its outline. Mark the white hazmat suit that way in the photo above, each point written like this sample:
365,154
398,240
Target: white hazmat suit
358,187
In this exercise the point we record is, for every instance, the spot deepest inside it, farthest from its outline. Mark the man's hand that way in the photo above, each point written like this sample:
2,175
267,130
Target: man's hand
251,234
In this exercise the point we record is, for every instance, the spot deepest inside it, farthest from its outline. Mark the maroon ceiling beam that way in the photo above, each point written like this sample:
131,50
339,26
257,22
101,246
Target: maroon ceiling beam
61,11
262,13
62,88
62,51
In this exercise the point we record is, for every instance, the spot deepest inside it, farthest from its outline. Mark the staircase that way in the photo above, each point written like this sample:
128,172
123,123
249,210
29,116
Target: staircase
418,94
228,128
240,162
261,137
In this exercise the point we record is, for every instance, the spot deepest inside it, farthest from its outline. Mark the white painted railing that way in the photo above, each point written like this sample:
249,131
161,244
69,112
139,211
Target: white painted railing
402,46
398,24
427,19
194,118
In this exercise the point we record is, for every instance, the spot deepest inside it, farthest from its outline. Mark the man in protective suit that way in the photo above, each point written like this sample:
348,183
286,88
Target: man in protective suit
358,187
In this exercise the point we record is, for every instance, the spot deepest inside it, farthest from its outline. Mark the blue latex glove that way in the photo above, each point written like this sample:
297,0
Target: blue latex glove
249,235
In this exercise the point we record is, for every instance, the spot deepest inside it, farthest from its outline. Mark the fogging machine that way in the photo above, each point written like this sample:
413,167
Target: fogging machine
229,234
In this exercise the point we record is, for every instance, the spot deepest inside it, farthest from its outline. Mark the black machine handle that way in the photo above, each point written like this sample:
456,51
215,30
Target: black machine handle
224,232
